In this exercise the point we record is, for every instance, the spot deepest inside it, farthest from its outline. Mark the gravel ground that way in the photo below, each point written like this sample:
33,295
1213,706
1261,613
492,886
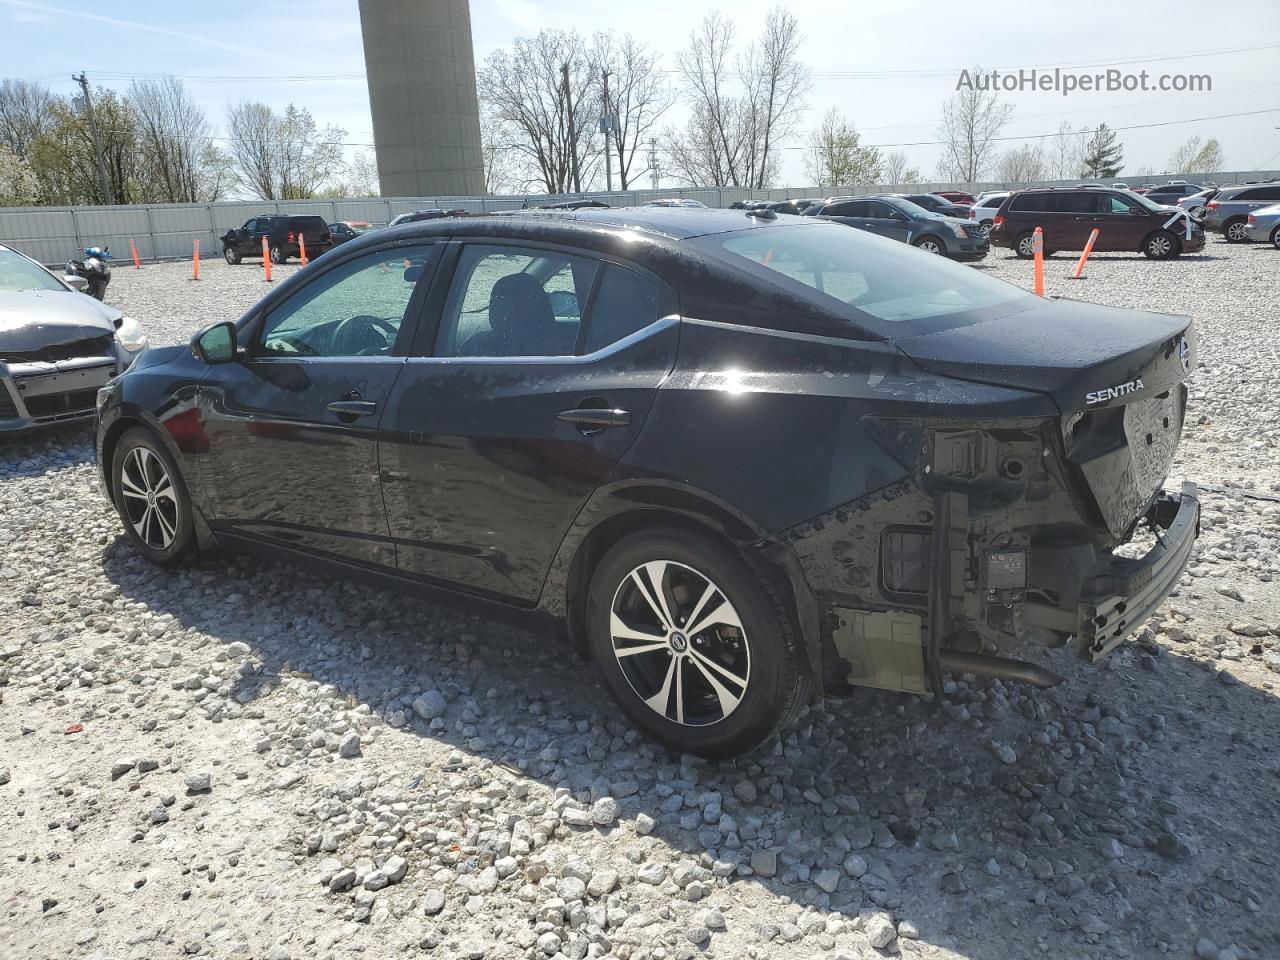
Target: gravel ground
239,760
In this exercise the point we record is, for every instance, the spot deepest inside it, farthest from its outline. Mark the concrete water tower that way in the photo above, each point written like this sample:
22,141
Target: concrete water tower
422,94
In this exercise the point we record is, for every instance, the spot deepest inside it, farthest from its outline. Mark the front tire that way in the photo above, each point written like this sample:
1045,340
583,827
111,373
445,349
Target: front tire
278,255
1236,231
930,245
1161,245
693,643
231,255
152,499
1275,238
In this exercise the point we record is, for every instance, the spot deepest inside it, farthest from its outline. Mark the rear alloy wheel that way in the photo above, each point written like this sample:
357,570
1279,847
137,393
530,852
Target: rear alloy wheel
1161,245
152,499
231,255
692,644
1275,238
1025,247
929,245
278,255
1236,231
984,228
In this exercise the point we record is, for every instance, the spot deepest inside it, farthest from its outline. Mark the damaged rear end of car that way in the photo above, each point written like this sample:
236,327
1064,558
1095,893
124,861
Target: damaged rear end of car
1053,528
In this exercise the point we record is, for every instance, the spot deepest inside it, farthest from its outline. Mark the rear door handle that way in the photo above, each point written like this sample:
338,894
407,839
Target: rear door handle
353,408
595,418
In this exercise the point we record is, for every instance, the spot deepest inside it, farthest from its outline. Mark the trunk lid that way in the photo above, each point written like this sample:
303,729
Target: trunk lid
1083,355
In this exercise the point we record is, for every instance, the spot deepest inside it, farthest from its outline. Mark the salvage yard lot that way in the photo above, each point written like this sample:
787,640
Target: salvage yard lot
390,777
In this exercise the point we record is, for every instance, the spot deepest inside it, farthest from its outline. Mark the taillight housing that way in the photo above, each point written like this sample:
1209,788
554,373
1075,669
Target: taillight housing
1252,219
326,237
997,222
1211,205
973,214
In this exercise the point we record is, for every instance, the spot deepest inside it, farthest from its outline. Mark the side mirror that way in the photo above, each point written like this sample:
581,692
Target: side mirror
76,282
217,344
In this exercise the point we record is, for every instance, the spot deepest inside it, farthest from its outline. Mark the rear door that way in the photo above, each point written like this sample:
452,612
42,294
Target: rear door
292,426
535,379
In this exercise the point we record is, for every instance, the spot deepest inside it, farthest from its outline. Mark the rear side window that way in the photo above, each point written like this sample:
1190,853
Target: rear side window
515,302
1079,202
850,208
624,303
1033,203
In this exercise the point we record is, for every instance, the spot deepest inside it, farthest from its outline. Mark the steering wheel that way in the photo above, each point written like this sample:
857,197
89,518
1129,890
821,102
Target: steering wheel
353,336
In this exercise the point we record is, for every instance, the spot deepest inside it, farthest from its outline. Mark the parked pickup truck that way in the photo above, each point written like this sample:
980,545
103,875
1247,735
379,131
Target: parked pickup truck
282,233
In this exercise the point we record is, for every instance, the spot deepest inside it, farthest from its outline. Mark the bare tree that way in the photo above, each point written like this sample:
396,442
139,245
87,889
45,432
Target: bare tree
282,157
734,133
709,149
638,96
178,161
1025,164
362,176
1068,152
1195,157
549,121
777,82
26,113
897,170
836,157
971,120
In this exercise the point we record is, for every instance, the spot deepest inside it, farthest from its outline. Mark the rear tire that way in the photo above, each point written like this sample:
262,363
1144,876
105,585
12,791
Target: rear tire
231,255
1024,245
1236,230
1275,238
1161,245
719,689
278,255
152,499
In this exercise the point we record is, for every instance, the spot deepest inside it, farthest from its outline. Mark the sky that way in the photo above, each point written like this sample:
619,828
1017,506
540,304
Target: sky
888,66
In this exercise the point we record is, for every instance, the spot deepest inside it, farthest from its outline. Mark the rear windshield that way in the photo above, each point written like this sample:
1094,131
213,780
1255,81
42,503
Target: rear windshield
18,274
883,280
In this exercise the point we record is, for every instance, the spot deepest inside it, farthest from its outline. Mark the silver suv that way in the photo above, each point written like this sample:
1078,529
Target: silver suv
1229,210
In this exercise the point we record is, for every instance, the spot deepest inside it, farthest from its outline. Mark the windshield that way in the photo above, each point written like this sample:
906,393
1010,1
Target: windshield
17,274
881,278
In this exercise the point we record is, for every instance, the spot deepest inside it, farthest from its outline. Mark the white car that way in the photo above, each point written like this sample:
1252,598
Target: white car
985,206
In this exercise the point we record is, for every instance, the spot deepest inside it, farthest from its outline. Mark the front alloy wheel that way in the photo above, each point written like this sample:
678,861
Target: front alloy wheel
929,245
152,498
694,642
680,643
1160,246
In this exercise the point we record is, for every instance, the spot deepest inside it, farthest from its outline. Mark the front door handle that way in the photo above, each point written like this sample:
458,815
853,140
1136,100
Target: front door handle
353,408
591,419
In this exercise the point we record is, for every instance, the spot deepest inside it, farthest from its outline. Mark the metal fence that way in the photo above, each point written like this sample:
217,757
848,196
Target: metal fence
168,231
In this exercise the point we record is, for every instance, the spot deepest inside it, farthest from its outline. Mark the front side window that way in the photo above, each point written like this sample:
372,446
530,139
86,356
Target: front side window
515,302
354,310
883,282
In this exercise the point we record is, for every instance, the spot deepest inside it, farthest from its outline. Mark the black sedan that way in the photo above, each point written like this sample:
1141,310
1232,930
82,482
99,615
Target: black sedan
745,459
900,219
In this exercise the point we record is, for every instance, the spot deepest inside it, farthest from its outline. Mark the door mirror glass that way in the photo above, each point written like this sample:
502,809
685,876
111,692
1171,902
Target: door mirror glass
217,344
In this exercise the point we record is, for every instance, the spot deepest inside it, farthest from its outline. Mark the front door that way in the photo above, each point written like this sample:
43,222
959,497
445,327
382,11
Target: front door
540,377
1122,223
883,219
292,427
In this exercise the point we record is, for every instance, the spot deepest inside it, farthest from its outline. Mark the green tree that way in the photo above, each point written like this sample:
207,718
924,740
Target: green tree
1103,154
836,156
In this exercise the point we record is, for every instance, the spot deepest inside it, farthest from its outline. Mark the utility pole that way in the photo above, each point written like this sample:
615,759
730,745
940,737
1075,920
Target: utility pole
103,182
606,123
654,174
573,131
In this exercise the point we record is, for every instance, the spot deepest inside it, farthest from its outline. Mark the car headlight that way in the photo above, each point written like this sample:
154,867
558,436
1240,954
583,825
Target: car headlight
958,230
129,334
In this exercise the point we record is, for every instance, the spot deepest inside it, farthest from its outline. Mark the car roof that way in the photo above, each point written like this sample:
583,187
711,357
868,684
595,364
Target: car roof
677,223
